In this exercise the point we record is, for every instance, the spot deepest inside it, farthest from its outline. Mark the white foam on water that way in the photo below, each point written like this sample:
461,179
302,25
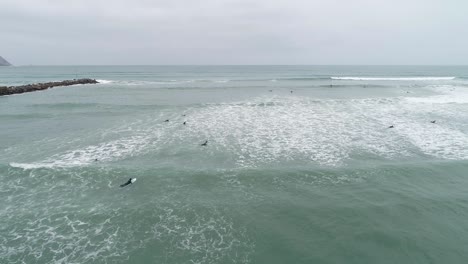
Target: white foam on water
446,94
432,78
203,238
141,82
160,82
129,82
105,81
104,234
436,140
275,130
58,235
269,130
144,135
108,151
30,166
261,131
136,82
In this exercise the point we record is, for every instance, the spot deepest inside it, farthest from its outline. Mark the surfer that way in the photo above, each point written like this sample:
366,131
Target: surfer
433,121
130,181
205,143
185,122
391,126
167,120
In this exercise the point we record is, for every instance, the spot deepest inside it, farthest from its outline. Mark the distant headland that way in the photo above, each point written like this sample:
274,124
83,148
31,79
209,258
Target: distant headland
7,90
4,62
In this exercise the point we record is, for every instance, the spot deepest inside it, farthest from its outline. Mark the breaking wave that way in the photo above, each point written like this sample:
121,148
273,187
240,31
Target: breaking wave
394,78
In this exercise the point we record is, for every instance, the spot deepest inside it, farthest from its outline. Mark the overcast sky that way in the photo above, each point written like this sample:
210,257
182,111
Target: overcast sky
108,32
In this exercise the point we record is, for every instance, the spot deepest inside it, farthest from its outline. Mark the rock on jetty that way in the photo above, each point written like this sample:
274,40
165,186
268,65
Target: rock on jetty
7,90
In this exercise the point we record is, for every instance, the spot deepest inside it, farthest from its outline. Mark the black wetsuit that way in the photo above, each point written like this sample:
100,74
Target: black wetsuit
127,183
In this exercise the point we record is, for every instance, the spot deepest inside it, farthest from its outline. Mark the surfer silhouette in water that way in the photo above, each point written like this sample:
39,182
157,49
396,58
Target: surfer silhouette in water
130,181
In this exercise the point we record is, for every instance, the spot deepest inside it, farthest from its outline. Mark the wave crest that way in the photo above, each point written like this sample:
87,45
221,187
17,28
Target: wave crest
431,78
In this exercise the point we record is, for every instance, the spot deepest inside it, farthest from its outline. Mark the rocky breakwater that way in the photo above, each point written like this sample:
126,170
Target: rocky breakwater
7,90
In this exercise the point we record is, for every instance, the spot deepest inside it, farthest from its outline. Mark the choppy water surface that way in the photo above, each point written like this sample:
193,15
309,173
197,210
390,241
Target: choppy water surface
300,166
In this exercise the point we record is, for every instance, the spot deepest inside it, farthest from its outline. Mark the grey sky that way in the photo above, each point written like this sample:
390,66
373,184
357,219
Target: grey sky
234,31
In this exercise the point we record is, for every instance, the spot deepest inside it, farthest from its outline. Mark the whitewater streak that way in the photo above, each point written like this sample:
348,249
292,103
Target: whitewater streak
394,78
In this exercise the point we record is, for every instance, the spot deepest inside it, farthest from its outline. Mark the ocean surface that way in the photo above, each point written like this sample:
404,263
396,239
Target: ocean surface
300,166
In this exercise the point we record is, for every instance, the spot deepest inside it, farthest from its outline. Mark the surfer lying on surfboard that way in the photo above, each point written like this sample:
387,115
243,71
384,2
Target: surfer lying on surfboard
130,181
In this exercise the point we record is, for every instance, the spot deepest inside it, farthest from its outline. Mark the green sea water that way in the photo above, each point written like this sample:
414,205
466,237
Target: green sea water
300,165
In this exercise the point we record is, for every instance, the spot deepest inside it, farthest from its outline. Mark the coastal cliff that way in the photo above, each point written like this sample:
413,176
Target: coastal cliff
4,62
7,90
